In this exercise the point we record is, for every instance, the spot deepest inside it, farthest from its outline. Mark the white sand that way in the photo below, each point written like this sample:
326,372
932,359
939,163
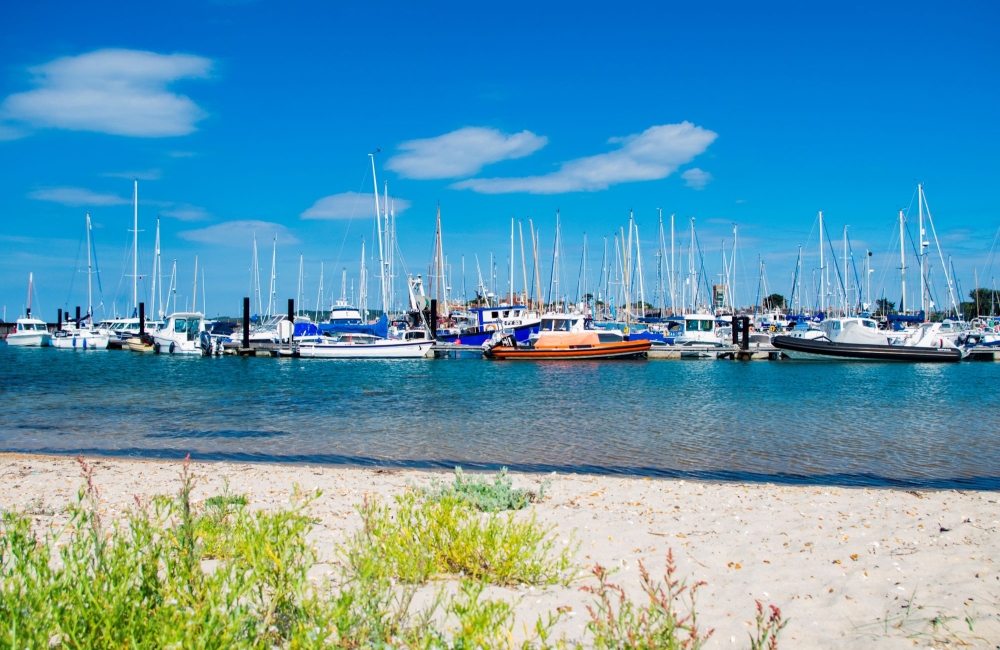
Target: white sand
838,562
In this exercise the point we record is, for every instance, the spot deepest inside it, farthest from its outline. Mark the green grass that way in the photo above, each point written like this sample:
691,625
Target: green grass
420,539
482,495
142,581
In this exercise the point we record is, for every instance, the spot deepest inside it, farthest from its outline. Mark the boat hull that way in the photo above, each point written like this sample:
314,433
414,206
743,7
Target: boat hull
382,350
824,350
623,350
85,342
478,337
29,340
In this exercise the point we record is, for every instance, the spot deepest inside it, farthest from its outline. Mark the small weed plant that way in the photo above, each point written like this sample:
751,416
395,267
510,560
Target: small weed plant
481,494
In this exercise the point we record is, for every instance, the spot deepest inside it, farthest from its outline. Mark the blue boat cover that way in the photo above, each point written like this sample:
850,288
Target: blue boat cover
306,329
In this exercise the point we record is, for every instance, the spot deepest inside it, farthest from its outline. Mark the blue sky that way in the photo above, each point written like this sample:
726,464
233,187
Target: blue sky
240,117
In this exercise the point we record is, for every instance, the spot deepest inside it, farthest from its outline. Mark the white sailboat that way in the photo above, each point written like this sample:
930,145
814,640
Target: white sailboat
414,345
80,336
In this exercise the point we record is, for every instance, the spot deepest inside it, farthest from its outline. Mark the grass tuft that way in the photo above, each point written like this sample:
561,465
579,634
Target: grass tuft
482,495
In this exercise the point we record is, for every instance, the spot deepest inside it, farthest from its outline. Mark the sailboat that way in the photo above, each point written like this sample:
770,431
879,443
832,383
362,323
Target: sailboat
79,337
29,332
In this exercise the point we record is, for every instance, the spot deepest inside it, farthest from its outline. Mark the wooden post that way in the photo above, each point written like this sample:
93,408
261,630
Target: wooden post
246,323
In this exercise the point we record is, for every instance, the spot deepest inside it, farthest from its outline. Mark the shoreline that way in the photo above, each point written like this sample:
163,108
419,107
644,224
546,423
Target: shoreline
842,563
334,461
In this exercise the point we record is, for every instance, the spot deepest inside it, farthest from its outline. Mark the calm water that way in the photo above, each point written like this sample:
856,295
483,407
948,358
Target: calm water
836,423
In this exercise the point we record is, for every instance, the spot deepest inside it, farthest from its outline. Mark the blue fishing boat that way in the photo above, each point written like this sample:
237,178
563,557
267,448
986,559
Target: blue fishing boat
510,319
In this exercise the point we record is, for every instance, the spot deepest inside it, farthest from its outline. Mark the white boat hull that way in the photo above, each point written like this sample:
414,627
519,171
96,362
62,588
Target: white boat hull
387,349
169,346
29,339
81,341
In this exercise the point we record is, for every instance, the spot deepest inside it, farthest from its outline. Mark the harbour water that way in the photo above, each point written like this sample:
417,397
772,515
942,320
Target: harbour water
878,424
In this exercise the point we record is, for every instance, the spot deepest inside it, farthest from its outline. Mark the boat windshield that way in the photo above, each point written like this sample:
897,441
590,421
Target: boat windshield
182,325
554,325
698,325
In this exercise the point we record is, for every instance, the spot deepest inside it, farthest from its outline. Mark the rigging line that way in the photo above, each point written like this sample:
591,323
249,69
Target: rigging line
836,266
76,269
989,262
357,199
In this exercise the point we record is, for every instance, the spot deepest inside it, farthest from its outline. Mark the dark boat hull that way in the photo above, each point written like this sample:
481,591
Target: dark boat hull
799,348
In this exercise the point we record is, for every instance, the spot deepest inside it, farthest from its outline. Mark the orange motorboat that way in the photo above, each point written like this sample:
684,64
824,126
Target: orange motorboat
563,337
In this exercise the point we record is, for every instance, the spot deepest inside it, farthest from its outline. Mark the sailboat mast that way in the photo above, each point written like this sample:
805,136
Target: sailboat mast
822,288
299,289
511,263
920,226
902,261
694,278
673,287
378,227
273,289
31,281
536,236
194,291
847,278
135,247
156,299
524,266
90,289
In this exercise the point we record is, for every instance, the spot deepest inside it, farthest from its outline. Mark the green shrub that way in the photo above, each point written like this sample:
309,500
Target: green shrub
421,539
478,492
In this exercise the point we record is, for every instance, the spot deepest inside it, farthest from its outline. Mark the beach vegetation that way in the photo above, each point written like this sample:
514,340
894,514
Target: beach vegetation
414,540
484,495
176,573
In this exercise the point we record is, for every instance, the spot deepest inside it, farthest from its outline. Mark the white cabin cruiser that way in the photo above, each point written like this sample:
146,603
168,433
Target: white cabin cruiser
180,334
699,329
854,338
29,332
414,345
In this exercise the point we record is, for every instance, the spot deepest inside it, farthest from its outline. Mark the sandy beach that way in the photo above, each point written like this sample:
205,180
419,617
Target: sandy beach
850,568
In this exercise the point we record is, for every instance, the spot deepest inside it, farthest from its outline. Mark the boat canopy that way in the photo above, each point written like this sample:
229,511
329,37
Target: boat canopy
906,318
379,328
306,329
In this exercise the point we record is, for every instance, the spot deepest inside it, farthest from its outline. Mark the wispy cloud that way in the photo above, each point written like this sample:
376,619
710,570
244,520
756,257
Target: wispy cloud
461,153
653,154
121,92
185,212
147,175
181,154
239,233
348,205
696,178
76,196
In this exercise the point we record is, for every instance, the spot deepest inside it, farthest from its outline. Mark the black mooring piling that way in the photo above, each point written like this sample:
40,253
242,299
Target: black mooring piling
433,322
736,330
59,321
246,323
78,315
142,319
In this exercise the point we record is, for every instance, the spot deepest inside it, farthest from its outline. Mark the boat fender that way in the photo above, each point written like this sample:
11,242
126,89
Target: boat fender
171,348
156,348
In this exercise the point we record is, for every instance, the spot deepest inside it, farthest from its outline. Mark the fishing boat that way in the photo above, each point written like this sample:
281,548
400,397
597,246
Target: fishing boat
859,339
415,344
29,332
566,337
509,319
180,334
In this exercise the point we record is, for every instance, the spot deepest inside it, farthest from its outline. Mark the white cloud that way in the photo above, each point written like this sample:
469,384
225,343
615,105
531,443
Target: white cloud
76,196
696,178
147,175
348,205
461,153
239,233
653,154
121,92
181,154
185,212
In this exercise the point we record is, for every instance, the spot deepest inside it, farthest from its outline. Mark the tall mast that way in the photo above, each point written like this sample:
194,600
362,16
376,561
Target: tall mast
822,267
798,294
638,263
673,284
511,263
273,289
173,285
156,299
319,293
194,291
90,290
363,284
299,289
378,227
553,272
920,212
204,303
847,278
902,261
524,266
31,282
135,247
694,278
536,237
